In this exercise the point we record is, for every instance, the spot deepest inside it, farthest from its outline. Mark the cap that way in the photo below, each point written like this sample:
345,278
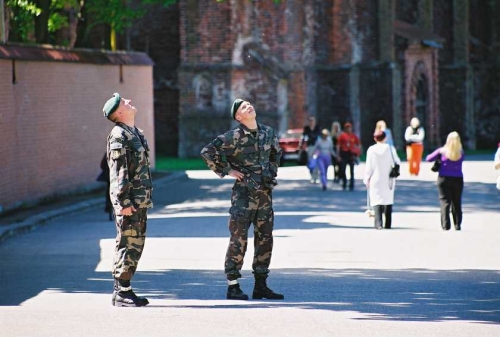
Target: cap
111,105
347,124
236,104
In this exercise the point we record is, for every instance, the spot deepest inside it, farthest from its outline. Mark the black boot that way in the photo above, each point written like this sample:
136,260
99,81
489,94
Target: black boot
129,299
124,296
234,292
261,290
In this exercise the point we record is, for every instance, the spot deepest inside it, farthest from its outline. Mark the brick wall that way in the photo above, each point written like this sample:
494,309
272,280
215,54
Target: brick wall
53,131
376,97
335,60
443,16
157,34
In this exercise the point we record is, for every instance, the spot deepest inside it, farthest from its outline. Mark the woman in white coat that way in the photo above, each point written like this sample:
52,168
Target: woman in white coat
380,158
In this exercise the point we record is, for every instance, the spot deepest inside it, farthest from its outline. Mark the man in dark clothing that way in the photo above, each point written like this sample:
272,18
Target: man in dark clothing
310,136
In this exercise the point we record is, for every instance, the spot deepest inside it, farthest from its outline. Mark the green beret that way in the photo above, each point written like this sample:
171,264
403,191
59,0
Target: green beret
111,105
236,104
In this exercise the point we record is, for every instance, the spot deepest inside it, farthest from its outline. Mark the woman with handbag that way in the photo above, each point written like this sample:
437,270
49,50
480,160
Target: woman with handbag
450,180
381,163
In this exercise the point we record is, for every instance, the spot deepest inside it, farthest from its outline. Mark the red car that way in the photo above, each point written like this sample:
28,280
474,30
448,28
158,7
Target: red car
289,143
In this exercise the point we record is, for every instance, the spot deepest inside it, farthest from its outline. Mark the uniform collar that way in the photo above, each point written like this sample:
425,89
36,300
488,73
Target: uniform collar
247,130
131,129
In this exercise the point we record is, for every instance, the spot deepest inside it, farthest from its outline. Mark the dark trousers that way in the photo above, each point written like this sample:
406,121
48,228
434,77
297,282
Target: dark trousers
450,197
386,210
336,169
346,159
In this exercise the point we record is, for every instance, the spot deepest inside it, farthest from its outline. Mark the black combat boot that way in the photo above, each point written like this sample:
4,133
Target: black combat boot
234,292
124,296
127,298
261,291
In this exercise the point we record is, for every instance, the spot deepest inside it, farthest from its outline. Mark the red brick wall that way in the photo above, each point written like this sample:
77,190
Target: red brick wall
53,131
205,31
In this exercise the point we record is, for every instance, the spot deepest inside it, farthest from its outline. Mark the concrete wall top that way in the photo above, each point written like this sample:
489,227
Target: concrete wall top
50,53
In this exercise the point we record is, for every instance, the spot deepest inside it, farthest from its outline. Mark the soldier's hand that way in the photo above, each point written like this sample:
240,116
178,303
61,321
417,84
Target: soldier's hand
236,174
128,211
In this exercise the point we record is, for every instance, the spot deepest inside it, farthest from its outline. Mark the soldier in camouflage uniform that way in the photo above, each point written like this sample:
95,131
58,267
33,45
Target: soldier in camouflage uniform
130,193
250,153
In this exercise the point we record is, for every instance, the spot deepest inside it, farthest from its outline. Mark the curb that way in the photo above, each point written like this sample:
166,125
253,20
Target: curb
31,223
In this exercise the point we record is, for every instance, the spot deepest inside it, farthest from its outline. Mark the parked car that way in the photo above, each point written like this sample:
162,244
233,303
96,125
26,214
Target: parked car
289,143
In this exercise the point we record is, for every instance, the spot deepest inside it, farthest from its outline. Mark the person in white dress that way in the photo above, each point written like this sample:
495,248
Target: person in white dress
380,158
497,164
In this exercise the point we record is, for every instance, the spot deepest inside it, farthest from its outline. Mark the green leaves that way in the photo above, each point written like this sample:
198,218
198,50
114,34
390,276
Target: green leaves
119,14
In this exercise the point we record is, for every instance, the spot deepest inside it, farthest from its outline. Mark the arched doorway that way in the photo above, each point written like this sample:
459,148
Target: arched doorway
420,101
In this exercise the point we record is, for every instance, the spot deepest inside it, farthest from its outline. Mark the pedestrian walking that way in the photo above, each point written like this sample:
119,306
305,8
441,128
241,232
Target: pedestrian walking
348,151
323,149
104,177
309,136
414,136
335,133
130,194
251,154
380,158
450,181
496,162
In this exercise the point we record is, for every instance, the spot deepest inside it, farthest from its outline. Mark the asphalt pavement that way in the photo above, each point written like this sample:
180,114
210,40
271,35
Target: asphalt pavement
340,276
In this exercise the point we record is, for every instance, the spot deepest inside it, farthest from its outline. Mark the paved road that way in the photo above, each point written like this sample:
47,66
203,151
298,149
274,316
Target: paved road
339,275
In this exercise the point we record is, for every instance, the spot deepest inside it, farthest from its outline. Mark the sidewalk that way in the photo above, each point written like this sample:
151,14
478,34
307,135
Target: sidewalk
28,219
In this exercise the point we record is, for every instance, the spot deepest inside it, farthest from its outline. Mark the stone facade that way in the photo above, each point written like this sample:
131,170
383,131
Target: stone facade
345,60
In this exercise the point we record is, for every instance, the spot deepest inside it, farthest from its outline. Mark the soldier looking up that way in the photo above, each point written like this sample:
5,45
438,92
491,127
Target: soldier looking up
130,193
250,153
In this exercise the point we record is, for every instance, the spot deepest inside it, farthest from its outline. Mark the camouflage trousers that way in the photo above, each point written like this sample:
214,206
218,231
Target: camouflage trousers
250,206
130,238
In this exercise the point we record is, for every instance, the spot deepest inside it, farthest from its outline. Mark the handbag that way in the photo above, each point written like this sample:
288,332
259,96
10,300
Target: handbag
437,164
302,157
395,167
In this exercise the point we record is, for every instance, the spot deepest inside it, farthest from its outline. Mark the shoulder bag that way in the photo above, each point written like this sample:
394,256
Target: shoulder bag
395,167
437,164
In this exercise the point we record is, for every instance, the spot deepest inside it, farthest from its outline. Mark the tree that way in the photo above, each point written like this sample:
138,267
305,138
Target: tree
55,21
38,20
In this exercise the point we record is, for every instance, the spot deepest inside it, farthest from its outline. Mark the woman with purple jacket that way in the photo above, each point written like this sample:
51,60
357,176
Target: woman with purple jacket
450,180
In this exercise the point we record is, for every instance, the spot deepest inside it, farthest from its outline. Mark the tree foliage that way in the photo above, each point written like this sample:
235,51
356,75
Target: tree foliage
40,21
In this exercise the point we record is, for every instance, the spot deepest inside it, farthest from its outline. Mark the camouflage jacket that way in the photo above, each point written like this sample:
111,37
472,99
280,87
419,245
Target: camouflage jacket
257,156
129,174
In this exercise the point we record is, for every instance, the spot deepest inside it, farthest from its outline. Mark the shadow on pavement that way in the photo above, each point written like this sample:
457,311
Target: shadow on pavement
392,295
397,295
290,196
